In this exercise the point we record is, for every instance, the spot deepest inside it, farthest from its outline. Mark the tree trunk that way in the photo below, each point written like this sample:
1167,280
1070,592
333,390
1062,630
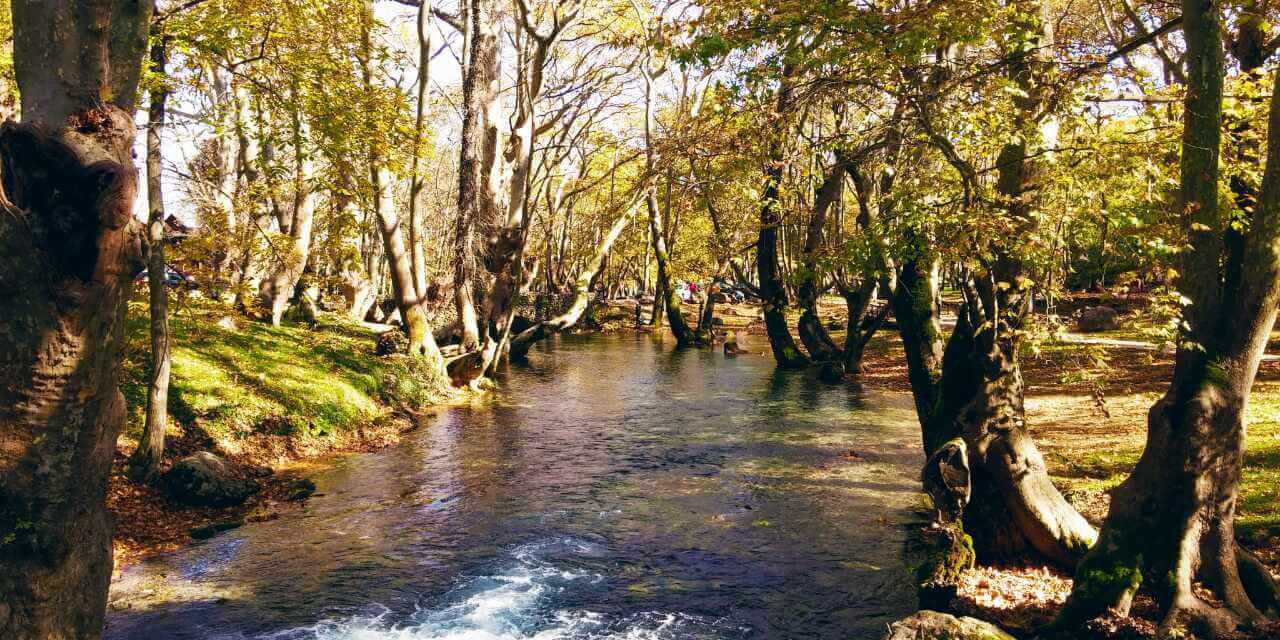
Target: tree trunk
422,340
771,287
521,343
685,335
419,138
287,271
814,336
68,250
227,160
861,324
253,156
409,301
145,461
1171,523
478,181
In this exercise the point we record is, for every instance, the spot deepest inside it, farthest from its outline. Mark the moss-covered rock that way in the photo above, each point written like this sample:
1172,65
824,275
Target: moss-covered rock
932,625
948,553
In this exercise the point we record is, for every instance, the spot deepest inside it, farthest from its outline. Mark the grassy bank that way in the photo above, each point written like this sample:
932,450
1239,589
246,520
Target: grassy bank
257,394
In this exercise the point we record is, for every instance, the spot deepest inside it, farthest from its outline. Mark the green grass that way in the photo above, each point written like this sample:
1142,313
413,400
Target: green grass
292,380
1258,509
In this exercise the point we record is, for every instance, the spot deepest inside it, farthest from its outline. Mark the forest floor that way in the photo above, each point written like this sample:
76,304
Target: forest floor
289,397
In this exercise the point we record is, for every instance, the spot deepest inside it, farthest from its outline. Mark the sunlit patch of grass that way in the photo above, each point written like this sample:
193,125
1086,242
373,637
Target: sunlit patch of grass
292,380
1102,468
1259,506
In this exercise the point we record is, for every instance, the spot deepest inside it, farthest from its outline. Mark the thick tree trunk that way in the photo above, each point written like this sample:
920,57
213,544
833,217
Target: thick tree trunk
771,287
916,310
478,180
861,324
68,250
145,461
1171,523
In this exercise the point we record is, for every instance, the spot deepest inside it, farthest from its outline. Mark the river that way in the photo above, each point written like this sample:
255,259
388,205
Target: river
615,488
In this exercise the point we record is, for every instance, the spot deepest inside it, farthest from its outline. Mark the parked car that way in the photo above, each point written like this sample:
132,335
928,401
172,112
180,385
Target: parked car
171,278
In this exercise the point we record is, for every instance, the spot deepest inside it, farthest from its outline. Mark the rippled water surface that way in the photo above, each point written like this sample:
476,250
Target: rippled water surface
614,489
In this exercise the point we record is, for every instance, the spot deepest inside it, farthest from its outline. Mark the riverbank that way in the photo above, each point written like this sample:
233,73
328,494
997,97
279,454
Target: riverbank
1087,404
289,398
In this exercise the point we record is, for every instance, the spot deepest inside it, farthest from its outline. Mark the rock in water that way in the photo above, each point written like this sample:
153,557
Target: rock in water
942,626
1094,319
206,480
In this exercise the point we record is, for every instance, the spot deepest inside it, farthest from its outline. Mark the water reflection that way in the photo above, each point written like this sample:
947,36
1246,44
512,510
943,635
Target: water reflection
617,489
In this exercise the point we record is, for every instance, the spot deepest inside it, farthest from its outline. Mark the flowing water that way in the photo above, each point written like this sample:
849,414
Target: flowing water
614,489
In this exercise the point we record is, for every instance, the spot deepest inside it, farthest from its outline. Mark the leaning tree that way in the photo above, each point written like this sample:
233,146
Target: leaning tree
68,248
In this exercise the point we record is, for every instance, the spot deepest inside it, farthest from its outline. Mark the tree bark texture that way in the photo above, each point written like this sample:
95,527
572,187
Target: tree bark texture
1171,523
68,251
478,178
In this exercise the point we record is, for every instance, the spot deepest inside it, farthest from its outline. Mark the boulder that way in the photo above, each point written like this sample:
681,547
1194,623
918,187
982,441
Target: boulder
942,626
300,489
392,341
205,480
228,323
1094,319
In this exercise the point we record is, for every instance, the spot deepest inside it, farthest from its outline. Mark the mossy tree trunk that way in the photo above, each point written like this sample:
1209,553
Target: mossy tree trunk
767,268
813,335
1171,523
975,392
68,250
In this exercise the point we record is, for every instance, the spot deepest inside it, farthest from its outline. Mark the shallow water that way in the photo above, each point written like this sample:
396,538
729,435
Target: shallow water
614,489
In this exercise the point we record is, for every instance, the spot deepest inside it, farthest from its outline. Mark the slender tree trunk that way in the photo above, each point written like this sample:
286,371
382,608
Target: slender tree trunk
408,300
68,250
228,172
145,461
416,184
684,334
253,157
522,342
814,336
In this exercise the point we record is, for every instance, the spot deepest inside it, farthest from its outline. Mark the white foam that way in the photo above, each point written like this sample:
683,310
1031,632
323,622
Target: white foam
507,606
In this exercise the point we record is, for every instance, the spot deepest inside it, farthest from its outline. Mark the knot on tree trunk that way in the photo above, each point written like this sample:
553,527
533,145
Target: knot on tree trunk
946,480
71,191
